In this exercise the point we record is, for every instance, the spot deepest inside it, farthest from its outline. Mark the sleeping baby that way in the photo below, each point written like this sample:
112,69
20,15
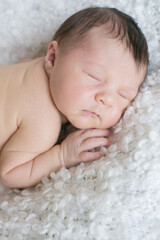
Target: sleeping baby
90,74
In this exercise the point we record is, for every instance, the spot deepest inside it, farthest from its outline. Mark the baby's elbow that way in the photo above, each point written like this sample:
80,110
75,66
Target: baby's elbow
11,181
4,177
5,180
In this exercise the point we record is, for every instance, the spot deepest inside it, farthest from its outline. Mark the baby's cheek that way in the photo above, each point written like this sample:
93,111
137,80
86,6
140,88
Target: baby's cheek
114,117
82,123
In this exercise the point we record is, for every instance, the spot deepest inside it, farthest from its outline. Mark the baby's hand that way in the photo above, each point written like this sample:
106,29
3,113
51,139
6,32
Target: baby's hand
77,145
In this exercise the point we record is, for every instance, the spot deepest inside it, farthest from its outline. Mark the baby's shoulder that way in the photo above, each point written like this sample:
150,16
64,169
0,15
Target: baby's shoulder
38,112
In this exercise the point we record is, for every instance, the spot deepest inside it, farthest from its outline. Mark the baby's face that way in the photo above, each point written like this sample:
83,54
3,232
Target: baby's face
93,85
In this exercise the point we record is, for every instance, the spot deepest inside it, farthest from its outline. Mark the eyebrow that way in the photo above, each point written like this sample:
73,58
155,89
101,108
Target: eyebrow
97,68
95,64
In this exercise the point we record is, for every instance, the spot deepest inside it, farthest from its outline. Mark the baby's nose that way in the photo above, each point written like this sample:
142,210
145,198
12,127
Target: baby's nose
106,99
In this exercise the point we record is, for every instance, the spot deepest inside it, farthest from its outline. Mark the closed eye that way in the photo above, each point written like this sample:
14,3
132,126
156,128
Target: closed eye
93,77
125,95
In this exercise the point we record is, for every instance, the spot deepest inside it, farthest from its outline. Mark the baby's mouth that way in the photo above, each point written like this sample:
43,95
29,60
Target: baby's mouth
89,113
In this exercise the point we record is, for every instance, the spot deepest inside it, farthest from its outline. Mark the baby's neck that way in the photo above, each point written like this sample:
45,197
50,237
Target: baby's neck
35,68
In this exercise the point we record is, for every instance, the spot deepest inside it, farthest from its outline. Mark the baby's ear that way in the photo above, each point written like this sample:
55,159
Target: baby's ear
50,56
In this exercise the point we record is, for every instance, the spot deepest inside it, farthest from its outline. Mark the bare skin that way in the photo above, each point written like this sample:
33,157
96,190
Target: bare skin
30,125
31,117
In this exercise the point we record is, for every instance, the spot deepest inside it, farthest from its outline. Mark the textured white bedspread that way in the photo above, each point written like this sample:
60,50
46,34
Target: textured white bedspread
117,197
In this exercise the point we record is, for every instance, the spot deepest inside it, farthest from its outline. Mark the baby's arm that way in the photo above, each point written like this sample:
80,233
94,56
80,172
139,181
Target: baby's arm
26,158
21,167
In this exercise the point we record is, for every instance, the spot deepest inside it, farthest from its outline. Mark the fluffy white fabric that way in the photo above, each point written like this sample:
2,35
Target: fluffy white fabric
117,197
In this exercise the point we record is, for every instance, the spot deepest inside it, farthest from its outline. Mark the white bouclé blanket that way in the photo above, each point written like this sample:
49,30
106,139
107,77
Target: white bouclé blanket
116,197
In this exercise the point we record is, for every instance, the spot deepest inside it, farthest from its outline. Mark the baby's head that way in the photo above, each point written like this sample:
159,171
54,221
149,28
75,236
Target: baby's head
96,63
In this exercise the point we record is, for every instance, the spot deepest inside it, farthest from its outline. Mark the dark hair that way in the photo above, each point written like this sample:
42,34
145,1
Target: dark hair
115,23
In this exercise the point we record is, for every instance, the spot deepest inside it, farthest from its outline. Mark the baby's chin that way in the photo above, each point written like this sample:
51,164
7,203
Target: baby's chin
87,125
86,122
80,125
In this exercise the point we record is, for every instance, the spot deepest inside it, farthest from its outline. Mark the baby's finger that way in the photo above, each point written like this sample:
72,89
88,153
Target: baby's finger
90,156
96,133
91,143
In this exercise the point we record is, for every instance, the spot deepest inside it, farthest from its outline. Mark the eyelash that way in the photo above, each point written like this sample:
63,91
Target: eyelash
93,77
124,96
